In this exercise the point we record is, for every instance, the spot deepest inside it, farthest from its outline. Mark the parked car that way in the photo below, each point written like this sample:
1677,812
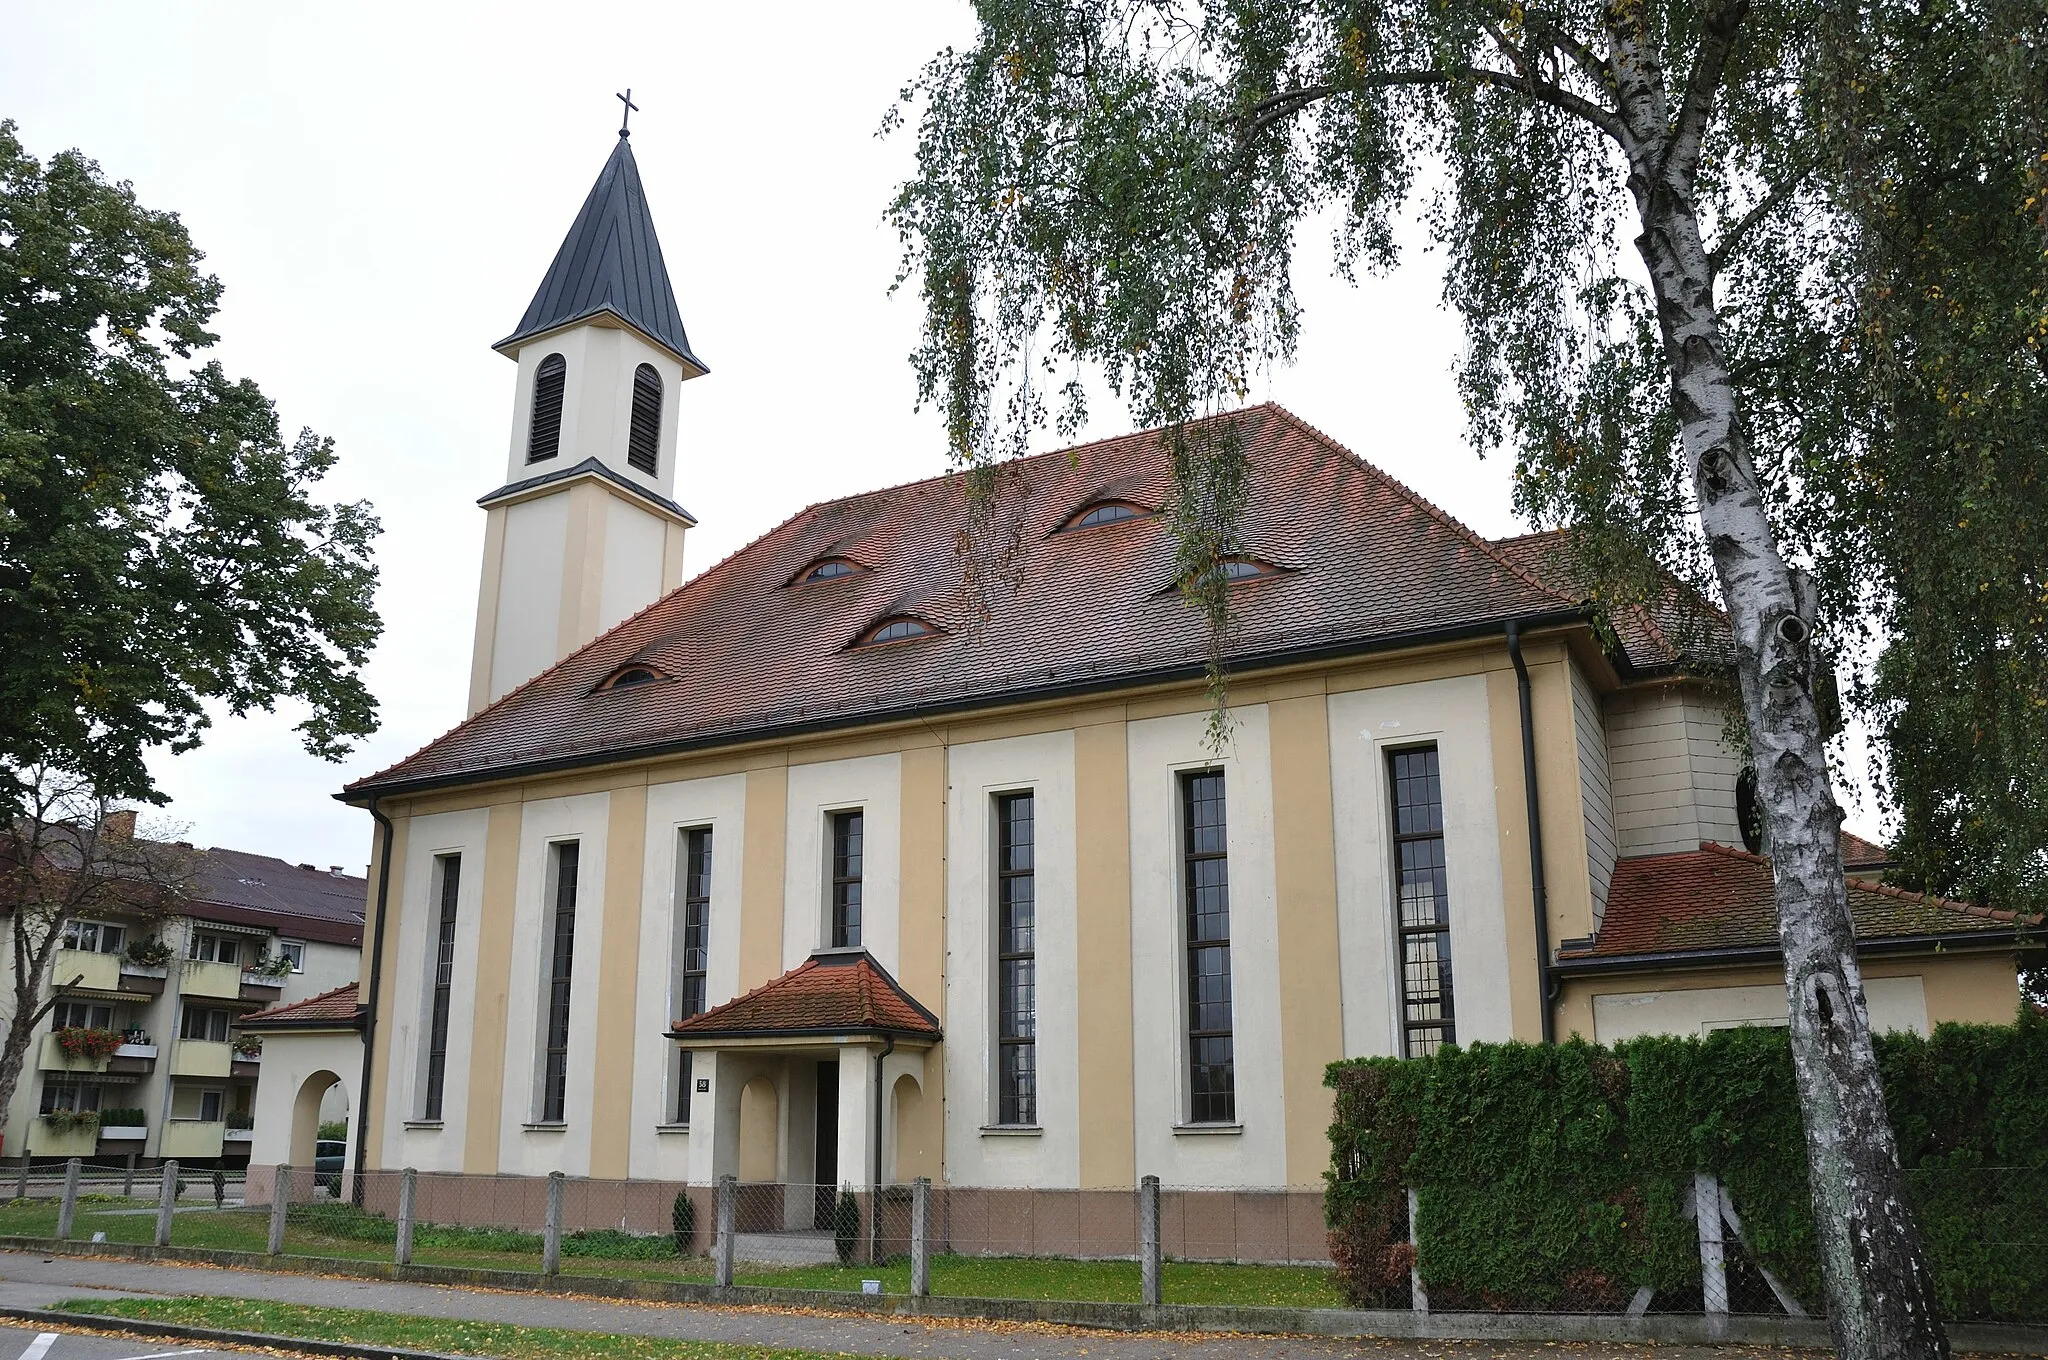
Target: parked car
328,1155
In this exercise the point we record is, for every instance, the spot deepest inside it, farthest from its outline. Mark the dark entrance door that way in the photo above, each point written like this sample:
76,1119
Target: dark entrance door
827,1161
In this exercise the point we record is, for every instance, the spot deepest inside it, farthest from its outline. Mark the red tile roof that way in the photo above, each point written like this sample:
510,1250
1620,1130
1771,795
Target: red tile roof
1657,634
329,1010
835,991
1366,562
1719,898
1858,853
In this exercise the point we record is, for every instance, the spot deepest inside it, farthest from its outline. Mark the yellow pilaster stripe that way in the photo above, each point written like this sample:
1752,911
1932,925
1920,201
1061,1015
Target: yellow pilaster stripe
619,968
1102,882
493,980
1305,883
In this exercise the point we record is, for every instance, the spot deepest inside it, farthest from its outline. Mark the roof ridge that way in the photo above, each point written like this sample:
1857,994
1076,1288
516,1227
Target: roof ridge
1428,506
273,1012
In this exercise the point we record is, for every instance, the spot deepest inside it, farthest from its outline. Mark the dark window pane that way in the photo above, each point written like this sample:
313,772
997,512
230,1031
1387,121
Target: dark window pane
847,831
1422,901
1212,1077
1016,963
694,953
561,963
443,987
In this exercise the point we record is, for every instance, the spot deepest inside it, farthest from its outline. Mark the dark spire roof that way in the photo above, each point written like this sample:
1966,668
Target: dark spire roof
610,262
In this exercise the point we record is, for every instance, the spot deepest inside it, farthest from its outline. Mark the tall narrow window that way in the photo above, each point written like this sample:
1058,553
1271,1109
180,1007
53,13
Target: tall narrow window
544,434
1016,960
846,839
693,958
1212,1067
1423,901
643,439
443,984
554,1082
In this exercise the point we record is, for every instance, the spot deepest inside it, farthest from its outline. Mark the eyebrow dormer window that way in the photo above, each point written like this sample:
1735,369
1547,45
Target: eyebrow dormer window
900,629
827,569
633,675
1105,512
1244,569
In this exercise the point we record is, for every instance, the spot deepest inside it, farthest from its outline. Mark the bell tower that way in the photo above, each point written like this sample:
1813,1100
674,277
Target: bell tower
586,530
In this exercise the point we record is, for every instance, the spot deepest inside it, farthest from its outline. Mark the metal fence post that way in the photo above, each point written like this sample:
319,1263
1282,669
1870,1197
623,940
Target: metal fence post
1418,1297
128,1179
166,1200
408,1184
21,1183
920,1237
1706,1200
728,1193
69,1210
280,1206
551,1244
1148,1239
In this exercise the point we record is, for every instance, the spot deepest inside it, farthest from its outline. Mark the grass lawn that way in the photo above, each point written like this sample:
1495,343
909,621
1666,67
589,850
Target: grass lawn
417,1333
340,1232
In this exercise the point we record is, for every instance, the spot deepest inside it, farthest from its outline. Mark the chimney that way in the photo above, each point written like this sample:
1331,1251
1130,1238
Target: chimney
337,871
306,867
119,826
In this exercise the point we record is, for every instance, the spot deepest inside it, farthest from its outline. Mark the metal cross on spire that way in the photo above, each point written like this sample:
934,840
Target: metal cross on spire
626,114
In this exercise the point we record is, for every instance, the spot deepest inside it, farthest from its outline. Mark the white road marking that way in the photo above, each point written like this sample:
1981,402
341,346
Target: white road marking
40,1347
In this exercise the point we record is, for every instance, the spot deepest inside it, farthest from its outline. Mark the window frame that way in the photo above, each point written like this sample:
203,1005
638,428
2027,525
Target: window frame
1080,519
188,1010
219,942
53,1096
558,941
1442,962
219,1098
696,852
440,985
295,950
1205,1108
104,934
1015,1087
845,897
62,1015
921,630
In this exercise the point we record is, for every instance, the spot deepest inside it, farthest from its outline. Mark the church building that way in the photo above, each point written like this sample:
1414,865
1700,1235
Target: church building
840,864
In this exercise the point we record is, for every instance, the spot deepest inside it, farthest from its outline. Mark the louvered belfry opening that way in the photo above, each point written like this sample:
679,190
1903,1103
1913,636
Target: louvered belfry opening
544,440
643,441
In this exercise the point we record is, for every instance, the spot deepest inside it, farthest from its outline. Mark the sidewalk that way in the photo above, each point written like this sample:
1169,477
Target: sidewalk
28,1281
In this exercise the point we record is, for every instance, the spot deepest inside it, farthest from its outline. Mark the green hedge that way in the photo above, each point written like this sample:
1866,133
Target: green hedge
1557,1177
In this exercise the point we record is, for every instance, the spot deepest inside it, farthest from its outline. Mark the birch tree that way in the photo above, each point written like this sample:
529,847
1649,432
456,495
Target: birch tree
1639,205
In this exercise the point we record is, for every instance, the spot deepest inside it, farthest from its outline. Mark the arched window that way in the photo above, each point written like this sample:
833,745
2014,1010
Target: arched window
827,569
544,438
902,628
1105,512
643,442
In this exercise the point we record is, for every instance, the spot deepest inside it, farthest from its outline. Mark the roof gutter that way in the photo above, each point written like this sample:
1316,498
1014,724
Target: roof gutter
362,1110
909,712
1593,965
1539,891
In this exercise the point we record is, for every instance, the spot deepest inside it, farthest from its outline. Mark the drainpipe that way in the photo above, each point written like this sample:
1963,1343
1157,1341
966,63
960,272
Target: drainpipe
1546,983
361,1112
875,1184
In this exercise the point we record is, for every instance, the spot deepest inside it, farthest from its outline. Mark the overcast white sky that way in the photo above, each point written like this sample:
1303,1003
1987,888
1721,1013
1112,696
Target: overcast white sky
381,186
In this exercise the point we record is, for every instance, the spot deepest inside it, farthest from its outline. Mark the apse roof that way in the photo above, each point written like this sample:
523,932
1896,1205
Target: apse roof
610,262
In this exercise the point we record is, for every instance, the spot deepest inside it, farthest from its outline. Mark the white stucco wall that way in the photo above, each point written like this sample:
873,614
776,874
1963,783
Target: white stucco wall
533,1151
1256,1153
656,1149
597,404
633,544
1673,776
1364,726
529,605
1896,1003
872,784
976,773
289,1059
417,920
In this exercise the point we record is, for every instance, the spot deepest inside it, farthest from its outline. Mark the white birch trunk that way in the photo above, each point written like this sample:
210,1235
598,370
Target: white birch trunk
1880,1293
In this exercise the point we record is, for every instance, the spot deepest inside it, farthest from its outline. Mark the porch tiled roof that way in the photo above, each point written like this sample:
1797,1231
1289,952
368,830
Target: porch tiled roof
835,991
337,1008
1720,898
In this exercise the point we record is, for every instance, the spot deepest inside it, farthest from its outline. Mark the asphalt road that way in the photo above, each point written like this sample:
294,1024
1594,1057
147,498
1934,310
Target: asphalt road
31,1281
26,1343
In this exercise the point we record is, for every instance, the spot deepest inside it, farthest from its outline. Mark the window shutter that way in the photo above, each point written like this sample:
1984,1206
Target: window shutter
544,439
643,442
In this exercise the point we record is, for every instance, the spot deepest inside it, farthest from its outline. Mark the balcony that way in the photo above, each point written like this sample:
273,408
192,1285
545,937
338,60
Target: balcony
45,1141
202,1058
95,972
141,979
241,1135
123,1134
219,980
185,1138
55,1059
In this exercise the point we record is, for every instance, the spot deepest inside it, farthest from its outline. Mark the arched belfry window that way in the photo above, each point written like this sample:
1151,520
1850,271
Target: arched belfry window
544,438
643,442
